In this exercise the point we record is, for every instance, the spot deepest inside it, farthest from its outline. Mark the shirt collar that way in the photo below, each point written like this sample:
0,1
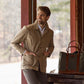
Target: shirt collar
41,28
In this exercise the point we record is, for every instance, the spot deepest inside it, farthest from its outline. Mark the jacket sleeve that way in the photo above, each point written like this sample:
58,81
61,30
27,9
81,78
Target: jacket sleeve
18,39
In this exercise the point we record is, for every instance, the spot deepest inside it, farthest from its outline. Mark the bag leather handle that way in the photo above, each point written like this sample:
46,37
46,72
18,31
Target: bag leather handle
76,42
77,46
73,47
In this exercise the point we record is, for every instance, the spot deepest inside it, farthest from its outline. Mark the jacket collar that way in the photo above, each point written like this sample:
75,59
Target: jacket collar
46,27
36,26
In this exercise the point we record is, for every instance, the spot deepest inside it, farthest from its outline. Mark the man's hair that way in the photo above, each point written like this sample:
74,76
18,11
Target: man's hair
45,9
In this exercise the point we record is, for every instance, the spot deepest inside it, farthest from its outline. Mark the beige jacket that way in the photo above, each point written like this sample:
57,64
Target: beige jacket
34,42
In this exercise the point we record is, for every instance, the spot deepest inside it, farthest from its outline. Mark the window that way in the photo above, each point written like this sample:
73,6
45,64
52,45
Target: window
59,22
10,24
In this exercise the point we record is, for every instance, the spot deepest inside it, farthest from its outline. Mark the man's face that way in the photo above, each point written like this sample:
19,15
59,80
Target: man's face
41,17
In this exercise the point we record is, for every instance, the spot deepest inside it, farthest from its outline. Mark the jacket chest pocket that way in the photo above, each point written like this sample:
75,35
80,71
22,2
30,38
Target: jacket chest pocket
45,42
33,37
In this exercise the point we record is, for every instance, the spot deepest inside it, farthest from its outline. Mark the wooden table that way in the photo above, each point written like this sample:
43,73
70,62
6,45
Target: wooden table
65,79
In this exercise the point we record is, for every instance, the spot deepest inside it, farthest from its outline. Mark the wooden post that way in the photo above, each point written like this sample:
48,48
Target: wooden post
28,16
73,31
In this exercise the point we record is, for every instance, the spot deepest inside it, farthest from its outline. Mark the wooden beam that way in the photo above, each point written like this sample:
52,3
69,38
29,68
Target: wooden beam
34,9
72,20
25,20
73,29
81,22
28,15
24,12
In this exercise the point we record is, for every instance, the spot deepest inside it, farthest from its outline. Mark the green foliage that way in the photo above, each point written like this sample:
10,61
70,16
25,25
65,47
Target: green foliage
60,7
64,3
60,10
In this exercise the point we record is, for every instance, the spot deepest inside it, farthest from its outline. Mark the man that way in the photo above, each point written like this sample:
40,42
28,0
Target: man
38,45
